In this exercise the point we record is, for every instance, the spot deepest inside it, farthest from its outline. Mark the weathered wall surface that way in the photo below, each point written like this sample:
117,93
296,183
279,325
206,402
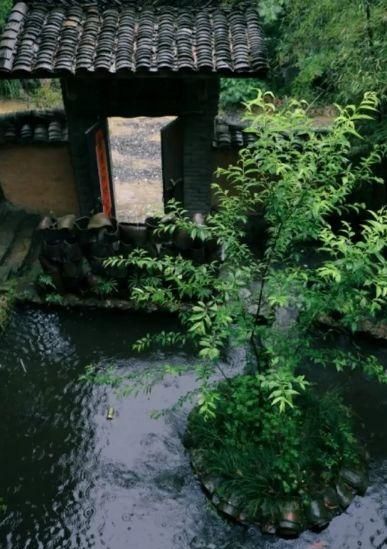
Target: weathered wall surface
38,178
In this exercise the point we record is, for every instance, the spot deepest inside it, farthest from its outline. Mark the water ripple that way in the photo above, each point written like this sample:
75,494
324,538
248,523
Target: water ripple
73,480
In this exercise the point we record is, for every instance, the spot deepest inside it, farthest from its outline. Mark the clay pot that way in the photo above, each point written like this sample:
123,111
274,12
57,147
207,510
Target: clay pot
213,251
52,250
72,275
133,233
151,224
345,494
48,222
72,270
182,240
198,218
101,246
97,265
166,250
356,479
55,273
152,249
125,248
118,273
71,251
48,229
66,222
111,233
198,255
317,515
290,523
99,221
83,234
331,500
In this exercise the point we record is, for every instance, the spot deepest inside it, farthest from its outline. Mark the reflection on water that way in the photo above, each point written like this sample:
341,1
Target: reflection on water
73,480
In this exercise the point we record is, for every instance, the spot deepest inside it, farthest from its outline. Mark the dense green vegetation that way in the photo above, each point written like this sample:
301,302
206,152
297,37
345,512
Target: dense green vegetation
338,51
5,6
322,51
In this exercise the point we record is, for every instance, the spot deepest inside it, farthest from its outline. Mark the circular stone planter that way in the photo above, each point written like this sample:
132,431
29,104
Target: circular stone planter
293,518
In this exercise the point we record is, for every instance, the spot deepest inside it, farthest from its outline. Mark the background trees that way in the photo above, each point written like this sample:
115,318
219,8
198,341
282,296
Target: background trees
322,51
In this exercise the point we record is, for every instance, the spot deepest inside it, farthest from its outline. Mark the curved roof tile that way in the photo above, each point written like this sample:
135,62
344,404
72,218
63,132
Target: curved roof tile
58,37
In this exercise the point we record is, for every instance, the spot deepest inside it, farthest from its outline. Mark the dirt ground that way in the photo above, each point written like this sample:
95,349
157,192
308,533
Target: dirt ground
137,170
9,105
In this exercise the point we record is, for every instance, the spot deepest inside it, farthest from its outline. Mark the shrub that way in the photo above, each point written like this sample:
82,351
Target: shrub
238,447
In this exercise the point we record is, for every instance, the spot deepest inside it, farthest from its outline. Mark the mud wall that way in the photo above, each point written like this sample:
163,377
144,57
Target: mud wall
38,178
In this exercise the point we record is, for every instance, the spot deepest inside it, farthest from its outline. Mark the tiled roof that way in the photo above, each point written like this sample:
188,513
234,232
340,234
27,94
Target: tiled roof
230,135
33,127
55,37
50,126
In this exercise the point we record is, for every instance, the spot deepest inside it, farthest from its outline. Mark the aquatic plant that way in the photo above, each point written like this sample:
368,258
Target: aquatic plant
54,298
106,288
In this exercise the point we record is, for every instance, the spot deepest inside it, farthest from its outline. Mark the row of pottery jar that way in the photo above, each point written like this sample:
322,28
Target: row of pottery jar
321,509
73,251
292,516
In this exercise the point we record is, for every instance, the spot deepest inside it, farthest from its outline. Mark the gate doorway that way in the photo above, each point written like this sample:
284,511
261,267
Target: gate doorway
141,162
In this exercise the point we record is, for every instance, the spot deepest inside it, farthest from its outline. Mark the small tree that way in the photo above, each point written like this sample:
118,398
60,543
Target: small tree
302,182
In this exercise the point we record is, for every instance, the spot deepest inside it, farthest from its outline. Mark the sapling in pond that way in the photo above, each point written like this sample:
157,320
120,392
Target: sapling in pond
317,263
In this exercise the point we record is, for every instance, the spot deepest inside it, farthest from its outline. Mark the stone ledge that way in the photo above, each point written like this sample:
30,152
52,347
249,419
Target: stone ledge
376,329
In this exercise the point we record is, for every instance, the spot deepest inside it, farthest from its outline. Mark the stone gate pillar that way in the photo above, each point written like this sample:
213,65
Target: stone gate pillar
80,117
203,97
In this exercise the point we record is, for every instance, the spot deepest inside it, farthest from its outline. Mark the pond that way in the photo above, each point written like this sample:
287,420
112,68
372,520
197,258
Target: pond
72,479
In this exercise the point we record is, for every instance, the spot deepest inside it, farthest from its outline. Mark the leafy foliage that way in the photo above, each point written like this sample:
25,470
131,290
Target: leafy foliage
302,181
235,92
337,51
5,7
46,281
321,50
46,94
106,288
8,88
54,298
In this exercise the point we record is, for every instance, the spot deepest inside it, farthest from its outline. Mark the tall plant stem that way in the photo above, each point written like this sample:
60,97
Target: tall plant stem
218,367
265,271
260,297
367,9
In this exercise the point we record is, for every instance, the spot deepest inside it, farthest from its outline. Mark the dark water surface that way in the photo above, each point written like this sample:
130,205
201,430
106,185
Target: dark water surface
74,480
